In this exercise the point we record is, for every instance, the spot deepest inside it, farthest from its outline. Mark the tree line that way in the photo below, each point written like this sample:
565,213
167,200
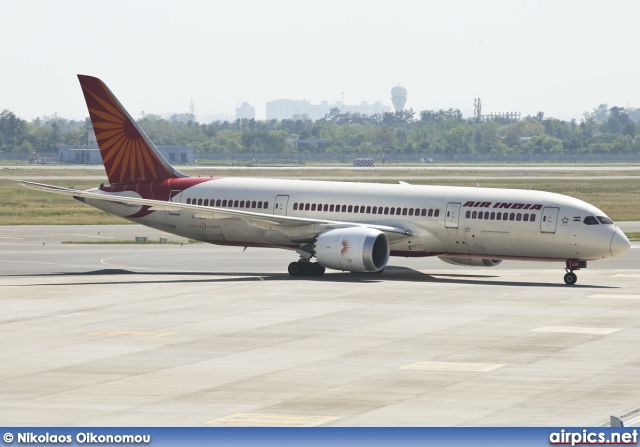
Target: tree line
603,130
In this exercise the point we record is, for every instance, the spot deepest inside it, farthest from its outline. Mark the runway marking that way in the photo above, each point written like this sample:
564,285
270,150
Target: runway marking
130,334
577,330
271,420
8,237
622,297
626,275
89,235
454,366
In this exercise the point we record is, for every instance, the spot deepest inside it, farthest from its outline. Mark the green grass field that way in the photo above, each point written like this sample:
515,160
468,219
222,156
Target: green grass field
617,197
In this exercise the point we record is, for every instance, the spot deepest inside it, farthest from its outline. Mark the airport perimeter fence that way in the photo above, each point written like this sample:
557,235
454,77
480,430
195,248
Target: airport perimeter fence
379,159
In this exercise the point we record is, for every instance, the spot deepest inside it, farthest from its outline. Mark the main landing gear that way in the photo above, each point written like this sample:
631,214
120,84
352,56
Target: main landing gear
571,278
305,268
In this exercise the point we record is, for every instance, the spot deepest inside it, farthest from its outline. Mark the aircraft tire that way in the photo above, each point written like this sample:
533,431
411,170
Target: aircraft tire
570,278
294,269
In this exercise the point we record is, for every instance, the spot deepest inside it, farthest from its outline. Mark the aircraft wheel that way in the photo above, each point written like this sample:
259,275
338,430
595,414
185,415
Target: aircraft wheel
294,269
570,278
318,270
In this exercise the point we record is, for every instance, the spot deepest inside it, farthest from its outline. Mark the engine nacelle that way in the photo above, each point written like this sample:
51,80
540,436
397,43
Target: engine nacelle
472,261
354,249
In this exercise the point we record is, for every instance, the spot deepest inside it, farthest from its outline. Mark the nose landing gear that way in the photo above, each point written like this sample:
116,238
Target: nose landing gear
571,278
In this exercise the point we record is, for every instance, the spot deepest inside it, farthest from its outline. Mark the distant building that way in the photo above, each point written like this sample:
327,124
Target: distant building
245,111
281,109
91,155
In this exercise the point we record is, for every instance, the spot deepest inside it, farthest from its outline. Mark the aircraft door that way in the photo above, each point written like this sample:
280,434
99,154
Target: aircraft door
452,215
280,205
549,220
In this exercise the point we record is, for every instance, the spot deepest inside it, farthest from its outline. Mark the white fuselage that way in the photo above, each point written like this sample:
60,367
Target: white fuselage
444,220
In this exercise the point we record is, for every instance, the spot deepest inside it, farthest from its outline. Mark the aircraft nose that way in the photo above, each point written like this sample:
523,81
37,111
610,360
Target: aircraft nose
619,243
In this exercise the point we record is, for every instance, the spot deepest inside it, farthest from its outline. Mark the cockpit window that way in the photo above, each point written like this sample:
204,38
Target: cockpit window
590,220
604,220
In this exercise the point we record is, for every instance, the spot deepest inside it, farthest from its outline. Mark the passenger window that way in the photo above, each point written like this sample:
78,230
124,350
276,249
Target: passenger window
386,210
591,220
519,217
189,201
533,218
307,206
218,202
350,208
206,202
313,207
493,216
499,216
265,205
512,216
374,210
605,220
480,215
199,201
331,208
236,203
242,204
474,215
436,213
392,211
468,214
368,210
356,209
410,211
344,208
326,207
295,206
525,218
430,212
404,211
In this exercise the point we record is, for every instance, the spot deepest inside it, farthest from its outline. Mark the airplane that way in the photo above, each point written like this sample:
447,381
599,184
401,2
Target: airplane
345,226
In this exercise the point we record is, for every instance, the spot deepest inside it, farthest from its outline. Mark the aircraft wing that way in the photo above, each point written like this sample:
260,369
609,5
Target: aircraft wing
266,221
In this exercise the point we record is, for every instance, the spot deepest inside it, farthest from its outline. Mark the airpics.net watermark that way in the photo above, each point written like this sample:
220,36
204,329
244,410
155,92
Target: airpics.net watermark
592,437
29,438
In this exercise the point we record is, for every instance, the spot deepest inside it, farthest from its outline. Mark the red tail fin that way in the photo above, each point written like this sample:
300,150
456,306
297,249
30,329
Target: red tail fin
127,153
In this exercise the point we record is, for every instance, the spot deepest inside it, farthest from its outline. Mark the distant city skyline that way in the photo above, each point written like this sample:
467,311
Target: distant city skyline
561,58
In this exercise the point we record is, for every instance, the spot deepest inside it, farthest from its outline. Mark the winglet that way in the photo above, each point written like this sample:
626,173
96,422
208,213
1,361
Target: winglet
127,153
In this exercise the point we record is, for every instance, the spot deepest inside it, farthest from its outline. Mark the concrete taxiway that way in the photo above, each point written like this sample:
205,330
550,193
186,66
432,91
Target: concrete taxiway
196,335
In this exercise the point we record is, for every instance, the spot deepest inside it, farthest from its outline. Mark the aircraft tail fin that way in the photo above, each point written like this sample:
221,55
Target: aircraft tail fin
127,153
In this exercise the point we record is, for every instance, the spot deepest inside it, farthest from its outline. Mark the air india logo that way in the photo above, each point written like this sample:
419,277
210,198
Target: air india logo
345,247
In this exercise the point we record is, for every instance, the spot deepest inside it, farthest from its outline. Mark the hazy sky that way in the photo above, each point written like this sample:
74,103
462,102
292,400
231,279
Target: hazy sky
561,57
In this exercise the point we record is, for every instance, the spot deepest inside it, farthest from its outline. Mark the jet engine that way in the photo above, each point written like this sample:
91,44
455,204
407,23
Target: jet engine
472,261
354,249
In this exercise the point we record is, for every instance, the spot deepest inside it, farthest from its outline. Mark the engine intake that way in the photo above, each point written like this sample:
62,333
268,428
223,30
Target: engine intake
472,261
354,249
